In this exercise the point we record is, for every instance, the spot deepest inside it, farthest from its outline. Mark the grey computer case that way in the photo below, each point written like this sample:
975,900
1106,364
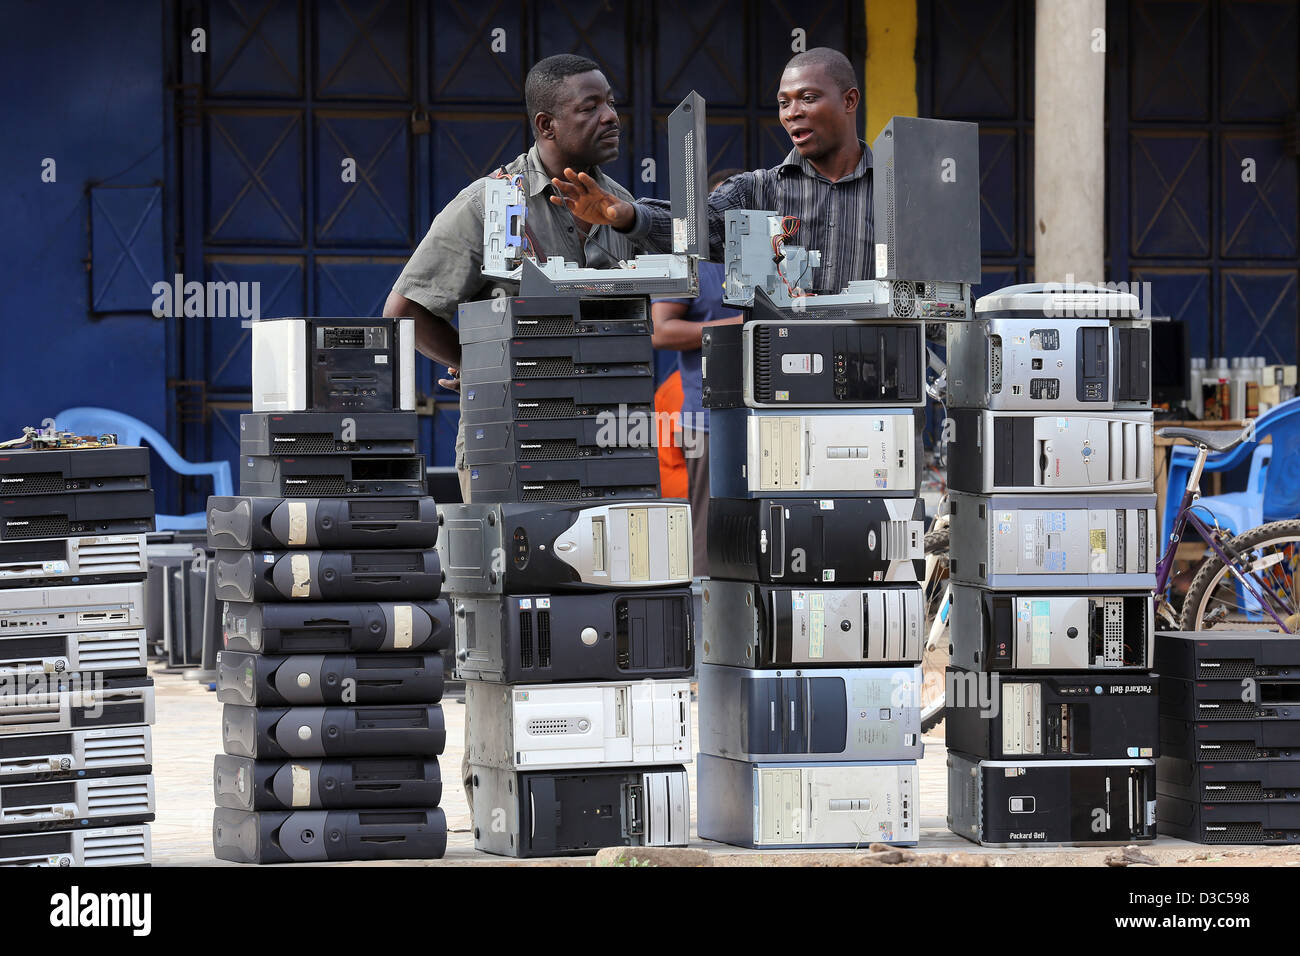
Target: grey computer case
1043,542
785,716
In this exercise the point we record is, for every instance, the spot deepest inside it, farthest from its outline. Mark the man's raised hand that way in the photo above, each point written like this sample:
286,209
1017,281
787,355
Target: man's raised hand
579,193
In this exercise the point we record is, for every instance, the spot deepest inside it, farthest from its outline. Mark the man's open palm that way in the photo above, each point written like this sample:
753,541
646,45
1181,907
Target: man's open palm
588,202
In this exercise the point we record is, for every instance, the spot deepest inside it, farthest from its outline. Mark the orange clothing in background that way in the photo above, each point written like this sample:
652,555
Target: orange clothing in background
672,462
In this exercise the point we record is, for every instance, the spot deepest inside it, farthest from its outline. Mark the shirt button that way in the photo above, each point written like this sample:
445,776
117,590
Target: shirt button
570,229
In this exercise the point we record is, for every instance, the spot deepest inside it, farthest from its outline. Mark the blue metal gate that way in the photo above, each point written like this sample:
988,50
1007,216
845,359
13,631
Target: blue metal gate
424,96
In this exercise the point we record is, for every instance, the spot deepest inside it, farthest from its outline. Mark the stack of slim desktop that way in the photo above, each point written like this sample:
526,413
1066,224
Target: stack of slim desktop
1229,767
570,582
570,577
76,701
814,623
1052,714
332,625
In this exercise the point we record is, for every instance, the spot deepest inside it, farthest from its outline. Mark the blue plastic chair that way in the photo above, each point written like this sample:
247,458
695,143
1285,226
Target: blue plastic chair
132,431
1273,488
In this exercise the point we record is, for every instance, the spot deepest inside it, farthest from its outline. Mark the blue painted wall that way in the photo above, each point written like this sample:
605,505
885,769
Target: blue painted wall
83,85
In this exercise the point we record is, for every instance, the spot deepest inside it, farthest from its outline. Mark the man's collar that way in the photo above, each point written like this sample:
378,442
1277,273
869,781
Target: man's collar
537,179
794,161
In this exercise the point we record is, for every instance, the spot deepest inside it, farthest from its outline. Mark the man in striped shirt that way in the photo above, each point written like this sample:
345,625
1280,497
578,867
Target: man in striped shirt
825,181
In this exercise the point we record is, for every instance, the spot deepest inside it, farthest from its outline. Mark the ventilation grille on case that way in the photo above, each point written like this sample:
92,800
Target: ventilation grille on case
116,556
737,541
121,650
549,449
995,364
36,483
526,640
889,217
1235,792
689,149
109,848
763,363
900,540
551,325
1225,668
315,486
546,726
41,526
543,638
598,288
118,796
1234,833
903,299
544,368
551,491
1130,444
546,408
1229,750
1227,710
310,443
119,750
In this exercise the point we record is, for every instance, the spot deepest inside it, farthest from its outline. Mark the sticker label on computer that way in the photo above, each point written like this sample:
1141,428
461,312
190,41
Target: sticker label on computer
1040,632
802,363
817,625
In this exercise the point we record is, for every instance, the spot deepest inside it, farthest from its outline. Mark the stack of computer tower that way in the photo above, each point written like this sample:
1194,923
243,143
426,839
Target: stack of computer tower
1229,766
76,701
1051,718
809,680
570,582
330,674
810,684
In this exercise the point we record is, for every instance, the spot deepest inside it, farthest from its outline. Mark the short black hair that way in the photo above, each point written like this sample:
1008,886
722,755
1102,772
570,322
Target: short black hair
835,63
542,85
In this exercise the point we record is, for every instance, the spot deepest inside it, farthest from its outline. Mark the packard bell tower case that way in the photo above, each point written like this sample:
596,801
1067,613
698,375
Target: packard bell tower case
1075,802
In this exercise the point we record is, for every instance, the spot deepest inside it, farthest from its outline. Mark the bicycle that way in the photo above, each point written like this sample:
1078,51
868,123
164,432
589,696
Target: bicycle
1249,580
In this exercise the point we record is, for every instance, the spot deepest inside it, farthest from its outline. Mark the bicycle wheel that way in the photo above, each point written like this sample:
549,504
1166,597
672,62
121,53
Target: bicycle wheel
1269,556
934,662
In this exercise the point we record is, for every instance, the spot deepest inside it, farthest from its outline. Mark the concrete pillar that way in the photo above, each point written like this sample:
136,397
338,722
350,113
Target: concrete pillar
1069,140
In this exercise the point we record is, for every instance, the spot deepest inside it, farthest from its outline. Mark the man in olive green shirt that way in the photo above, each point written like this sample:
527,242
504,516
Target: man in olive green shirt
573,120
572,116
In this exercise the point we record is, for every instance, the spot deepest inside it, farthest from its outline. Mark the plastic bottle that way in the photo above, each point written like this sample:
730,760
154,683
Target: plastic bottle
1195,399
1236,390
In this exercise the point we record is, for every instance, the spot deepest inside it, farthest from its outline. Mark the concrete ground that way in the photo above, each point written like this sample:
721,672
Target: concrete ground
187,734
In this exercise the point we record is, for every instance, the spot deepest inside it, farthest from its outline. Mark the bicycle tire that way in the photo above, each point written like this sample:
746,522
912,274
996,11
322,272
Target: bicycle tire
938,541
1212,568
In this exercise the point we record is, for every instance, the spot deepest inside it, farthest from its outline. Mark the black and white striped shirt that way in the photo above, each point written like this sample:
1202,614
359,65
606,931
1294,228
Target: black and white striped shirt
836,216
